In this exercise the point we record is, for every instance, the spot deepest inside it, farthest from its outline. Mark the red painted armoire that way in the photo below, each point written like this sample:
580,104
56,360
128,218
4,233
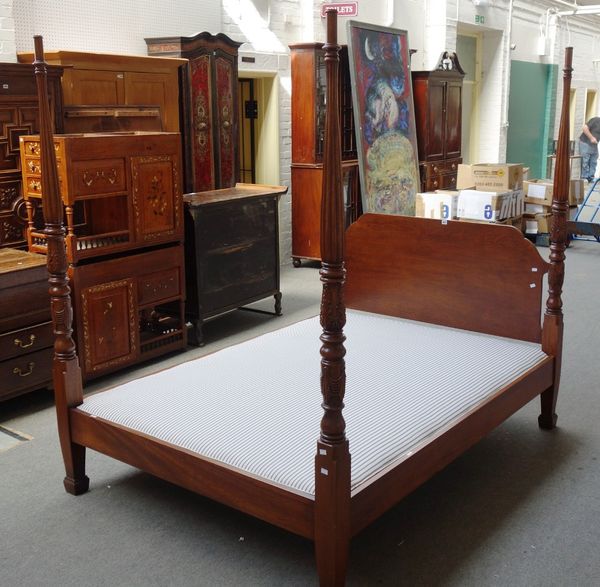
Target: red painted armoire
210,107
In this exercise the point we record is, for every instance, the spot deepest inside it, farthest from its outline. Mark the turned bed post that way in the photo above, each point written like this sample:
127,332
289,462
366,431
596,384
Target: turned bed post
552,331
332,463
66,374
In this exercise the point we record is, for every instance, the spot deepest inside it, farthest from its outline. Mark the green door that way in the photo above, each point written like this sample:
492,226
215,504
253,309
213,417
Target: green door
530,115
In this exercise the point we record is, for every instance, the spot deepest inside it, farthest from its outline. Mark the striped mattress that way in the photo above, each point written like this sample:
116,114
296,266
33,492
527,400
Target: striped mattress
256,406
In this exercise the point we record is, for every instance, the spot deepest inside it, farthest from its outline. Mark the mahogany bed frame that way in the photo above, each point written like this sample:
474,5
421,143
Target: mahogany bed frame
459,274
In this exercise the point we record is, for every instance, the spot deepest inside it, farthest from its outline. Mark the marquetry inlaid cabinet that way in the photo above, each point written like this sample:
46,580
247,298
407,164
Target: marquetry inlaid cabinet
25,323
438,117
210,107
19,116
309,85
123,212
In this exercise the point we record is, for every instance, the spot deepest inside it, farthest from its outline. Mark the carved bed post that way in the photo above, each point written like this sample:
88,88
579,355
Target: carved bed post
66,373
332,463
552,332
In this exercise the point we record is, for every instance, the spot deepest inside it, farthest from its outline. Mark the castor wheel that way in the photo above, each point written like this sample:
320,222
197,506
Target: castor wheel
296,262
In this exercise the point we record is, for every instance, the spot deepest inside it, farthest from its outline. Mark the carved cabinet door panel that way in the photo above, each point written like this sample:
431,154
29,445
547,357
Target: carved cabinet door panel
453,119
156,198
226,123
202,144
109,323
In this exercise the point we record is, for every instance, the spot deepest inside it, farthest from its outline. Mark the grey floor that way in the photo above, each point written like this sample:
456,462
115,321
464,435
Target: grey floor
520,508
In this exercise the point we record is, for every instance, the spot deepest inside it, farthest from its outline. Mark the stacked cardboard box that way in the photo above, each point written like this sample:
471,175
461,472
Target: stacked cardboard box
440,204
491,193
538,202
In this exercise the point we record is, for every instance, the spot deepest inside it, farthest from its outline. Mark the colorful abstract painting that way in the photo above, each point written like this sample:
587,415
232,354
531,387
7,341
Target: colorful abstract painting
384,117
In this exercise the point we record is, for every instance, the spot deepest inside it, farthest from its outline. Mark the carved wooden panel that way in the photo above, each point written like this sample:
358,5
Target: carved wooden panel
155,202
226,117
108,315
202,146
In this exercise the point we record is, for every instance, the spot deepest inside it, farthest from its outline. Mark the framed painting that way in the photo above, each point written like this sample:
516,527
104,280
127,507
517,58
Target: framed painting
384,118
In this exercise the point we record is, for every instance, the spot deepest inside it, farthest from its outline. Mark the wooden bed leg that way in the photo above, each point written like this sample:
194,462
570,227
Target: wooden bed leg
332,463
547,419
66,374
332,512
552,330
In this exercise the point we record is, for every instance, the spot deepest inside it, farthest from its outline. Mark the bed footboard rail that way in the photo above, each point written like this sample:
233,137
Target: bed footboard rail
66,373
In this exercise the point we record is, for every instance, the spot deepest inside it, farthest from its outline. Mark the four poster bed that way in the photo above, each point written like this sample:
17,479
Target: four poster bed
445,340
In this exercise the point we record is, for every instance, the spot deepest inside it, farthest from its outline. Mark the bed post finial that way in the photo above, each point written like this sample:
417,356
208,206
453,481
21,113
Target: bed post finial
66,373
552,332
332,464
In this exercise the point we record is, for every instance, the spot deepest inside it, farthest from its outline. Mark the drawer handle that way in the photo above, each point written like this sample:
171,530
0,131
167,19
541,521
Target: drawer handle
20,373
19,342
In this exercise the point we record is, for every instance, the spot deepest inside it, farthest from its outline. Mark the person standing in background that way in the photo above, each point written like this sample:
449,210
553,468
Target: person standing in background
588,148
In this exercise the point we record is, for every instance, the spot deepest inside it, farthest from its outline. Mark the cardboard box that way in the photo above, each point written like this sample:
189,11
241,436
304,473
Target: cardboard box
490,206
440,204
541,191
497,177
539,223
464,177
536,209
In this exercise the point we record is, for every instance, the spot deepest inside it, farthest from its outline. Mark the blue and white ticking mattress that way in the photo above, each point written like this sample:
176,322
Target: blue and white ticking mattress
256,406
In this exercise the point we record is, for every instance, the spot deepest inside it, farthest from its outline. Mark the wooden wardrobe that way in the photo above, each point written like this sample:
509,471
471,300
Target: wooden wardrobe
210,107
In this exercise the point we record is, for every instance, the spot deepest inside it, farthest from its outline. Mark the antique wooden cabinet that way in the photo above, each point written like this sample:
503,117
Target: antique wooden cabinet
25,324
438,116
105,79
232,251
19,116
308,132
210,102
120,191
124,220
128,309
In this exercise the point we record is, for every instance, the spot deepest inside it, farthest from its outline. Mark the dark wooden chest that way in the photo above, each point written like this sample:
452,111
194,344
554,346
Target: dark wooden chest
232,250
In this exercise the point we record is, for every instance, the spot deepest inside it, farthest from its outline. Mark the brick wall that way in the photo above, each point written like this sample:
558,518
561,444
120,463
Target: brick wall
7,31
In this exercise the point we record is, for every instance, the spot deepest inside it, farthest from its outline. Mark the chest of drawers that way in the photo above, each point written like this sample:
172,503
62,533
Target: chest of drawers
232,250
25,325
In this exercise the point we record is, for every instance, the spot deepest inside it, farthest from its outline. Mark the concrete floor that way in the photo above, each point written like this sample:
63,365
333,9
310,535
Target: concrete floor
520,508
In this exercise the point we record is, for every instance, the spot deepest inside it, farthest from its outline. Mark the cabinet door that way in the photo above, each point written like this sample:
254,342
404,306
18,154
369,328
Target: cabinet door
155,89
453,119
201,117
109,321
435,131
156,198
88,86
225,129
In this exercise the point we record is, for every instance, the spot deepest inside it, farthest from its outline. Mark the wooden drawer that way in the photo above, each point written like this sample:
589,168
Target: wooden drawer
235,223
154,287
440,167
98,177
28,371
26,340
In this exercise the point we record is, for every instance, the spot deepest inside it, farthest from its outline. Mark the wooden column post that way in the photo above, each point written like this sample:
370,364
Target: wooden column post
332,463
552,332
66,374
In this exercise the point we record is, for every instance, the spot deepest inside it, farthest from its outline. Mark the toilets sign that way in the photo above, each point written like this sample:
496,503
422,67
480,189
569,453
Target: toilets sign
343,8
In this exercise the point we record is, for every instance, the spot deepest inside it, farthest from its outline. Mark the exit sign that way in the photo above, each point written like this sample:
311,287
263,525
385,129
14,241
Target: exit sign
479,19
343,8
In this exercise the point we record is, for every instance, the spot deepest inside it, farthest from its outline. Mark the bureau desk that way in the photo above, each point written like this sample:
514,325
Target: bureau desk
231,251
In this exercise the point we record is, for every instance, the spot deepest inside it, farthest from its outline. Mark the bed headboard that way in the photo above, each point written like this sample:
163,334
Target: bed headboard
480,277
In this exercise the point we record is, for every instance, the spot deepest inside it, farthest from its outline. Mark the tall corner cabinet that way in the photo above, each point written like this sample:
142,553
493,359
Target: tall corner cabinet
309,86
438,115
210,107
